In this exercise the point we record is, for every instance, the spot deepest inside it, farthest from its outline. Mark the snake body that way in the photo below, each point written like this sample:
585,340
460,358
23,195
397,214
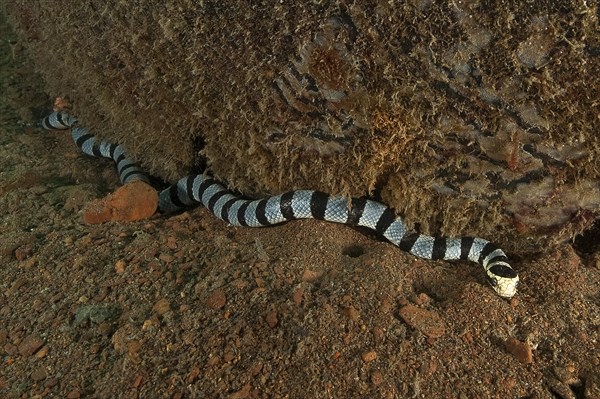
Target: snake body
128,169
196,190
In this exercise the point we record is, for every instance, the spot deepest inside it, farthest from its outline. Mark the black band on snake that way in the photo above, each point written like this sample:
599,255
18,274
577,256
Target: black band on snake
300,204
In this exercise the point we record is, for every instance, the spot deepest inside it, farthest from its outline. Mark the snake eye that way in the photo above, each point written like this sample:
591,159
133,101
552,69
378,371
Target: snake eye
493,281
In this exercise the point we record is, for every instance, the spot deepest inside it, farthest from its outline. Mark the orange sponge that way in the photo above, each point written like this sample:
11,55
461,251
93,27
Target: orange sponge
133,201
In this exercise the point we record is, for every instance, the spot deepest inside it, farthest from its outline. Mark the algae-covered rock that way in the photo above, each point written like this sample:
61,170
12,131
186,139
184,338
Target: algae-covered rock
468,117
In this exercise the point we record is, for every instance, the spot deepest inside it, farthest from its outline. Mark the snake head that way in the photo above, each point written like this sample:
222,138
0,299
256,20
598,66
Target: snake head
503,279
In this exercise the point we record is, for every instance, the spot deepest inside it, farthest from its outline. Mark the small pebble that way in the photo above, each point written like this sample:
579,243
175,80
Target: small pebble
30,345
427,321
386,304
310,276
217,299
272,320
39,374
10,349
42,352
509,383
171,243
119,340
428,367
193,375
120,266
16,286
298,295
376,377
134,346
242,393
50,382
162,306
229,357
369,356
213,361
23,252
351,313
256,368
378,334
74,394
137,381
423,299
520,350
148,324
167,258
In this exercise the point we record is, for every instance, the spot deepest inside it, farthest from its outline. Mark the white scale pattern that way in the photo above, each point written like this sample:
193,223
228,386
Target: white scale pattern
219,204
476,248
423,247
55,123
210,192
232,215
125,163
250,215
105,149
371,214
337,210
118,152
88,144
452,249
395,232
301,204
182,192
273,210
492,255
198,180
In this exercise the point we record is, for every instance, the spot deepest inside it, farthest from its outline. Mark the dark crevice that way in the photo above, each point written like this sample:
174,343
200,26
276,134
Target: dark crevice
545,158
353,251
320,134
588,242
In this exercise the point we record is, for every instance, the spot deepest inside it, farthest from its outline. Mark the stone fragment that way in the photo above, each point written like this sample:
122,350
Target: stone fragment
217,299
351,312
161,306
376,378
310,276
39,374
193,375
74,394
369,356
428,322
30,345
520,350
272,319
42,352
120,266
298,295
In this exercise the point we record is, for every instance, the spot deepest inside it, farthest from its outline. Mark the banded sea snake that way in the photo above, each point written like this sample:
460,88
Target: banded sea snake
201,189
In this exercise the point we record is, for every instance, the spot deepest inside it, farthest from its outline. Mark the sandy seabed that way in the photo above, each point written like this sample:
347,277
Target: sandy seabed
187,306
